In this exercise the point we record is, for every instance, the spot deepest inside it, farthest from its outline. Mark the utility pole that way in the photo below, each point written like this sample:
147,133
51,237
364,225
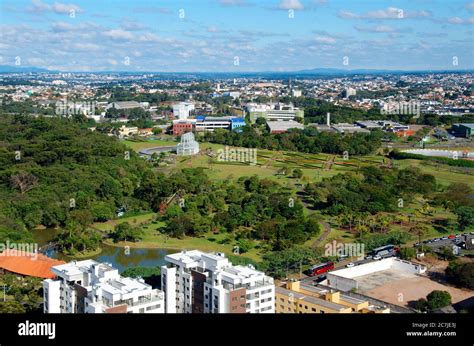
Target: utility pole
4,293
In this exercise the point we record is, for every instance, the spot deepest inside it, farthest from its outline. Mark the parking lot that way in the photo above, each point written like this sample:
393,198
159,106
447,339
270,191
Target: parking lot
446,241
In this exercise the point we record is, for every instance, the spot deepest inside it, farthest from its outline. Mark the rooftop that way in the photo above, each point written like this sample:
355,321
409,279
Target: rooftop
284,125
28,264
310,299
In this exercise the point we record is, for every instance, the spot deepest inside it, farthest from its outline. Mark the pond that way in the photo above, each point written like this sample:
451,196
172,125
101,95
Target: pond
116,256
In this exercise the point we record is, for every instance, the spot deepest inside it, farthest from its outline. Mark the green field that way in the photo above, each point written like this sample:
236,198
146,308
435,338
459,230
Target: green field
315,167
151,143
444,174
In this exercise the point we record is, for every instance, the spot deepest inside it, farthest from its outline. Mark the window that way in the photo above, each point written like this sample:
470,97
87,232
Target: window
313,309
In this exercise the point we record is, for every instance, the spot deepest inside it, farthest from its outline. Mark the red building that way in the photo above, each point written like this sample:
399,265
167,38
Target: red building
181,127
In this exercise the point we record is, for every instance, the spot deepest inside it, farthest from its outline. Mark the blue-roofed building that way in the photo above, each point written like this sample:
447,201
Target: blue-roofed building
236,124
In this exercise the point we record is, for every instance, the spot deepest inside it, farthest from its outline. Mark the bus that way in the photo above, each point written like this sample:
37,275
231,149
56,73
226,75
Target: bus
319,269
385,251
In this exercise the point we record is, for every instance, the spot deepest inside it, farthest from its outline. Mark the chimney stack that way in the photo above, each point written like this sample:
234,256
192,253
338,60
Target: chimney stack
328,119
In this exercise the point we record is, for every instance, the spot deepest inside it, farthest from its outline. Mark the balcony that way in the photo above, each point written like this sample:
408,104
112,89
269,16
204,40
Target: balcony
141,301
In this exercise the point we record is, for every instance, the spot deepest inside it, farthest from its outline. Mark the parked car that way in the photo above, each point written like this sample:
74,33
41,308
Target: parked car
444,238
451,236
350,265
368,257
377,257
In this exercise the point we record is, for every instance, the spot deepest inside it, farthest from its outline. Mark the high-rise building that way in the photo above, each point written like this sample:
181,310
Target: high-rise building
349,92
197,282
92,287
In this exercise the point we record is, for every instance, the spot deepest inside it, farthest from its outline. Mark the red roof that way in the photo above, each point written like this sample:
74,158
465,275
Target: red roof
29,264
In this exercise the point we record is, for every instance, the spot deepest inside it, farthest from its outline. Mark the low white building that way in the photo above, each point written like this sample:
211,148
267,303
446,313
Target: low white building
197,282
283,126
182,110
92,287
348,278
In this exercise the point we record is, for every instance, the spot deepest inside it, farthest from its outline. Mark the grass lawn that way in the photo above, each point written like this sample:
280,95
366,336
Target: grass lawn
144,144
132,220
209,242
444,174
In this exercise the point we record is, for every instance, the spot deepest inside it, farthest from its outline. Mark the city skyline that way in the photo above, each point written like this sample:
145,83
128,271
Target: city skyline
237,35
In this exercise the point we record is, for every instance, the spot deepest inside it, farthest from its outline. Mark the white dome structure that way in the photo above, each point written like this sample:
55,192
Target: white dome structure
188,145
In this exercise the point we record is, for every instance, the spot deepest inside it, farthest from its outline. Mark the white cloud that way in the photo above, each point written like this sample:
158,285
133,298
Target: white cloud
470,6
65,8
60,8
388,13
118,34
213,29
230,3
325,39
290,5
376,29
456,20
347,15
461,21
86,46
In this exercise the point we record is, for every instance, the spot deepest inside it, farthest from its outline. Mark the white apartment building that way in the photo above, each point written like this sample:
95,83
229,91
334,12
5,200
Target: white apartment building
274,112
197,282
349,92
182,110
92,287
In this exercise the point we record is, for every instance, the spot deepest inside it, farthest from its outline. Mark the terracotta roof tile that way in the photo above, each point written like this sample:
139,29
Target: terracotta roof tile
37,265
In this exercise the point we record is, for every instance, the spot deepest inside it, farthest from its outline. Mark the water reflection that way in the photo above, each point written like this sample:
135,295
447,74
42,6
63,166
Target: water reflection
116,256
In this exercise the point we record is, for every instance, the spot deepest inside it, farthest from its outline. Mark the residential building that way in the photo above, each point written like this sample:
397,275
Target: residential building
349,92
296,93
233,94
303,297
197,282
283,126
182,110
92,287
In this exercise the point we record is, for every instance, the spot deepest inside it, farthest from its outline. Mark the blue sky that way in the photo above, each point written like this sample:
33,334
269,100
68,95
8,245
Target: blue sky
237,35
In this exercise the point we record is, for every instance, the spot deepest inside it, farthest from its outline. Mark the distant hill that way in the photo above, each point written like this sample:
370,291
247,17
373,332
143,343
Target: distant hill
26,69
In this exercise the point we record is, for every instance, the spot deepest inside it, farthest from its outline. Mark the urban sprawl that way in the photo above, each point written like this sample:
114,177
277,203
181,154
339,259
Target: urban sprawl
351,193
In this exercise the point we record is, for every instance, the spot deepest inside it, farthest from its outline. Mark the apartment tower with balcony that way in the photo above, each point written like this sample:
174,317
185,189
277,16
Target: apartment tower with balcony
197,282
